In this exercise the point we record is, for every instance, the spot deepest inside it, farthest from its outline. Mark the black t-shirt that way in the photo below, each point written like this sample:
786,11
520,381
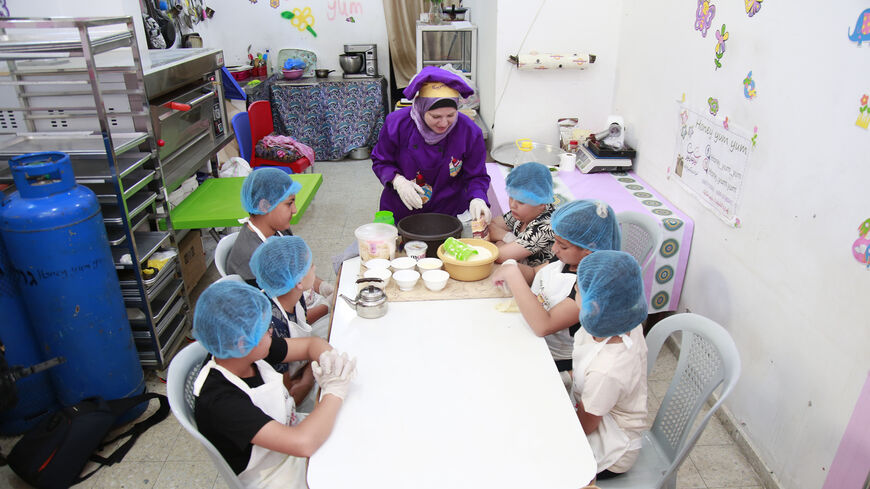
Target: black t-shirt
226,416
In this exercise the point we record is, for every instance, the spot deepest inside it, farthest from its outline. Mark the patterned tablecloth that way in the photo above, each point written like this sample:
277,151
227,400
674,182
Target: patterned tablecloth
332,115
624,191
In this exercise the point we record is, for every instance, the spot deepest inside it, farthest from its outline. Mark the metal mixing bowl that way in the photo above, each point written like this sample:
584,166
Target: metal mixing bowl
350,63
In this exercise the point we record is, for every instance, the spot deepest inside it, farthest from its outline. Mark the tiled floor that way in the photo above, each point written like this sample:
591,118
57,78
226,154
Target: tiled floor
167,457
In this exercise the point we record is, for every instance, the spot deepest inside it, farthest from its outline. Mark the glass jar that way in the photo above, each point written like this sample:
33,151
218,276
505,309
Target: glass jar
435,16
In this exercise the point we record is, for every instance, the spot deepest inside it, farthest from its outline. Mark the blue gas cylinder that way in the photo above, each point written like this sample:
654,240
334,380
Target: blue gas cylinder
35,393
56,241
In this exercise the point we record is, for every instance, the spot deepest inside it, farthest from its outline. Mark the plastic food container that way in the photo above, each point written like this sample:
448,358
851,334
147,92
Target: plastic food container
376,240
240,72
416,249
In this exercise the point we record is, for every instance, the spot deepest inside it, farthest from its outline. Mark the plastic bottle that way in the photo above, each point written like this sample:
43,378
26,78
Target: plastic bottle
427,189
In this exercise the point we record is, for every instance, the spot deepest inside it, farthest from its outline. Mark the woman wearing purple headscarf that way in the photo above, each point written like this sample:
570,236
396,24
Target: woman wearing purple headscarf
430,157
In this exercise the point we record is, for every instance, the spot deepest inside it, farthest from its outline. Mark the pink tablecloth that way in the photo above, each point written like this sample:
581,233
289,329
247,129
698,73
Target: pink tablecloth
624,191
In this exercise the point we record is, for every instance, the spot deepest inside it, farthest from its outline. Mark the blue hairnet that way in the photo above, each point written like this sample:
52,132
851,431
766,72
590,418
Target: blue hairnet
231,318
264,189
280,263
611,290
530,183
589,224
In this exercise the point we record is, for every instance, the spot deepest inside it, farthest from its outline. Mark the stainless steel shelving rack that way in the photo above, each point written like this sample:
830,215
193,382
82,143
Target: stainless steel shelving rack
77,86
450,42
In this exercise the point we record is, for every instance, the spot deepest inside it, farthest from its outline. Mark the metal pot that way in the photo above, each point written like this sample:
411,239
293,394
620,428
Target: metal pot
321,73
370,303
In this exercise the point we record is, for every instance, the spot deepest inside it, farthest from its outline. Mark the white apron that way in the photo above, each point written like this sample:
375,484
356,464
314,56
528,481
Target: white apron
551,286
298,329
266,469
609,442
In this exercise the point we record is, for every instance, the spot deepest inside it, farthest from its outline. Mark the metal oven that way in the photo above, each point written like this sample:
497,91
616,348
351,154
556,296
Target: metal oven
188,114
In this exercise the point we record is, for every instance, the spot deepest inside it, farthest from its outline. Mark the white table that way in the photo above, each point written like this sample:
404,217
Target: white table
448,394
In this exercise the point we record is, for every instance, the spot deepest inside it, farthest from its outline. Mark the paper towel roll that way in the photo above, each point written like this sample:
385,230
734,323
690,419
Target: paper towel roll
554,61
567,161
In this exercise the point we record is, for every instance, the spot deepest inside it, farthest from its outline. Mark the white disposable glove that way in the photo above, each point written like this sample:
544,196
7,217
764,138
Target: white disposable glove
478,208
326,289
334,372
409,192
509,237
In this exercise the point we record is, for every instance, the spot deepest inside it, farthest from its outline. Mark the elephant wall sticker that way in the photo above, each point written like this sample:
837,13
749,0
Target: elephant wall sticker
862,28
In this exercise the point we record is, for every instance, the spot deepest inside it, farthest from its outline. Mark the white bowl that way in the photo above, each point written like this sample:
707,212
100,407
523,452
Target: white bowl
435,280
426,264
374,263
406,279
403,263
381,273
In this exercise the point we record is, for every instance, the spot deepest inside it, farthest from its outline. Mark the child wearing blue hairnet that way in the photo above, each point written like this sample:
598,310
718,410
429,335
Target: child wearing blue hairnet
544,294
284,269
240,403
610,359
524,233
269,197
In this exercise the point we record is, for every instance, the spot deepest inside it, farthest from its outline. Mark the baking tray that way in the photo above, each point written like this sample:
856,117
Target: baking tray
509,154
71,143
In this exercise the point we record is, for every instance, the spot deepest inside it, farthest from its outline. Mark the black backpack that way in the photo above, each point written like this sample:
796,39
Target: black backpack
53,454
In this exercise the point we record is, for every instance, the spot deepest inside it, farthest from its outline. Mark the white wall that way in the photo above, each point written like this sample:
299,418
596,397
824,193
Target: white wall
484,14
784,284
527,103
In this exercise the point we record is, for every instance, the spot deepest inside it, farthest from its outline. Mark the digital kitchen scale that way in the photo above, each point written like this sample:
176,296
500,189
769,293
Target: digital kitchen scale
589,163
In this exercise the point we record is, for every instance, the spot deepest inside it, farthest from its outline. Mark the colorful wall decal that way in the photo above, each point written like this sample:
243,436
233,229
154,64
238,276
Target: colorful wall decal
749,86
274,3
714,105
721,37
754,135
862,28
861,246
752,6
4,10
704,16
725,122
350,19
301,19
863,113
342,9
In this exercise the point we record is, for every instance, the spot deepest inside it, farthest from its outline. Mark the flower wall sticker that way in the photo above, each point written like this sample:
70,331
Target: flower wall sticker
725,122
714,105
749,87
721,37
863,113
704,16
752,6
301,19
754,136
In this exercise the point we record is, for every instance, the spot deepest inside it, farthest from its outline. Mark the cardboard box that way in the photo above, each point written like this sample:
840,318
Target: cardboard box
191,257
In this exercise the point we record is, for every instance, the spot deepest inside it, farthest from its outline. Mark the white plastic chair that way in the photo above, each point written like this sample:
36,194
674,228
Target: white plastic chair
708,358
222,251
233,277
641,236
179,388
